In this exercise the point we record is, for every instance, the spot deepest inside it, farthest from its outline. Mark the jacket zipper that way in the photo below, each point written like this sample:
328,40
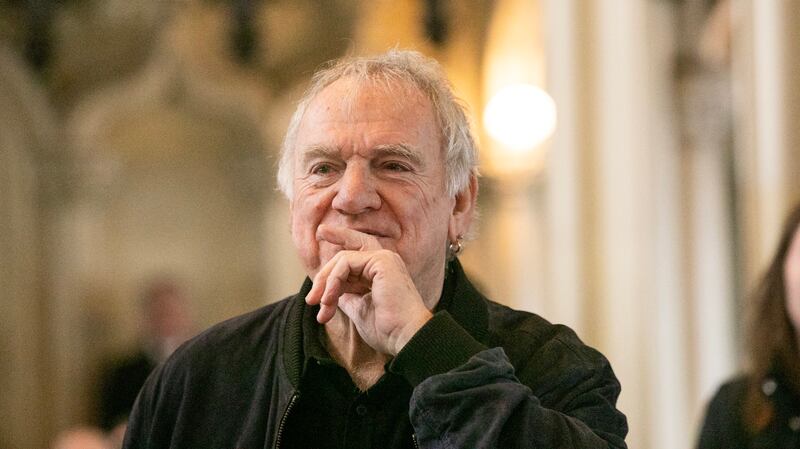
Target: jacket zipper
414,439
283,420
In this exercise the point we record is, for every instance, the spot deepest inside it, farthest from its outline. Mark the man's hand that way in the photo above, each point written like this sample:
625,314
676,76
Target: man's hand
372,286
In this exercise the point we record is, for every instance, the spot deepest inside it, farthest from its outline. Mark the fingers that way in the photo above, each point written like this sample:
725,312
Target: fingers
339,275
342,274
329,298
320,281
334,287
347,238
326,313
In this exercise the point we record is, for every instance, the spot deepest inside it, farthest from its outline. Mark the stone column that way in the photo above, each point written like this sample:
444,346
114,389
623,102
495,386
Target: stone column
615,202
569,176
622,263
26,133
766,62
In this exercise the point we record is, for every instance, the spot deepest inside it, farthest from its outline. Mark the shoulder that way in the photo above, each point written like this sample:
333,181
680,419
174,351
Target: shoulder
550,358
223,367
250,336
225,357
526,335
724,407
728,399
732,391
723,426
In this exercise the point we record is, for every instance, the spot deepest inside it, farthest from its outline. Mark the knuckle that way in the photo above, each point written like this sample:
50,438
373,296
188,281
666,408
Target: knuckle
393,256
388,257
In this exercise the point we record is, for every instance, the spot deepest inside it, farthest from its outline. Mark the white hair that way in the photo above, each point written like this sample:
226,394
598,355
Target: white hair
390,70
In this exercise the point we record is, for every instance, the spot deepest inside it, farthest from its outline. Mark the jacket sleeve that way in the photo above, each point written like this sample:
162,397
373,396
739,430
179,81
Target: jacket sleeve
469,396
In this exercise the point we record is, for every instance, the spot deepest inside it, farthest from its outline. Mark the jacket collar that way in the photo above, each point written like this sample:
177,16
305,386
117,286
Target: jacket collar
459,297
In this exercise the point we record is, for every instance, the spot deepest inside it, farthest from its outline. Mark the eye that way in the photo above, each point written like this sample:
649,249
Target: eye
396,166
322,168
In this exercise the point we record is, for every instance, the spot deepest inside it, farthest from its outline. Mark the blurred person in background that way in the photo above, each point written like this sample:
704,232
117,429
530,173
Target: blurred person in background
165,324
387,344
761,409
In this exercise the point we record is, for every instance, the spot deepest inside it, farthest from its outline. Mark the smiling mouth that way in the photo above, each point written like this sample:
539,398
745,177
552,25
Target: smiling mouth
372,233
377,231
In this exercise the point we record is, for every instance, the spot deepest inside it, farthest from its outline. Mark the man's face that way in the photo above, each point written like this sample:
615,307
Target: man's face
376,167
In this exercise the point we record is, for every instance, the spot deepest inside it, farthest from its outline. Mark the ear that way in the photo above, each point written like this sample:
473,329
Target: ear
463,210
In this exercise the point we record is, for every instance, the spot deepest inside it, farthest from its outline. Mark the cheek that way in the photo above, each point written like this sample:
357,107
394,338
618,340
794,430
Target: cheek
306,214
431,220
325,251
438,212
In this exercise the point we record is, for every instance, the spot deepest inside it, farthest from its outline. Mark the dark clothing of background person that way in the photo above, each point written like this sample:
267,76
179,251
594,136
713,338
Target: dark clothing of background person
724,426
481,375
120,384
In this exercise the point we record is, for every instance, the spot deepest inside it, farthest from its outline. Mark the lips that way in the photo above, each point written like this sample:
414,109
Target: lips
372,232
376,229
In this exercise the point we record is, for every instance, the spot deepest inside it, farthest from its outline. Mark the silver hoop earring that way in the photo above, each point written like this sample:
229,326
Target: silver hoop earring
457,246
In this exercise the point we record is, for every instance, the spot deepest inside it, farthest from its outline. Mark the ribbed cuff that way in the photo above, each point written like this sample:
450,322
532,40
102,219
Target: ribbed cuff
439,346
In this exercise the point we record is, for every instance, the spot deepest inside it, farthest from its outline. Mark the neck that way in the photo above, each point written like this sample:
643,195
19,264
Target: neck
348,349
431,289
362,362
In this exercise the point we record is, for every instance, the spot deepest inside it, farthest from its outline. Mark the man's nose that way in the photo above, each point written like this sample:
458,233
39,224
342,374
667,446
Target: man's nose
356,191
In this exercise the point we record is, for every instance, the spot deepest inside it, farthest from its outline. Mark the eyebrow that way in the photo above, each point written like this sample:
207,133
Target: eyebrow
400,150
314,152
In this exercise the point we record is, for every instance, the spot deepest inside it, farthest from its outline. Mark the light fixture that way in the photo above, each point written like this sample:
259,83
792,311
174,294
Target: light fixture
520,117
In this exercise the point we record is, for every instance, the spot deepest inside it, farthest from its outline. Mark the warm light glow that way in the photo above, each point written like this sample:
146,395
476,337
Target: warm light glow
520,116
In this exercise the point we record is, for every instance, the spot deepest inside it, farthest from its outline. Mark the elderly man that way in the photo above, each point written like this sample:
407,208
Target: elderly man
387,344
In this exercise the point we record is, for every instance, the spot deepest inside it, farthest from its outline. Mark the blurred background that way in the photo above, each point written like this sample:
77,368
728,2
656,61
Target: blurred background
638,157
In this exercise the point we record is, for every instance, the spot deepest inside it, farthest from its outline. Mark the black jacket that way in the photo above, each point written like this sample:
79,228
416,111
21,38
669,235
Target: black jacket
724,426
538,386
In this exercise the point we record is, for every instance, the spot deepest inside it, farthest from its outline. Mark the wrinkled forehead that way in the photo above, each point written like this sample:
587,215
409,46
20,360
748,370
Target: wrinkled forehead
397,107
360,94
